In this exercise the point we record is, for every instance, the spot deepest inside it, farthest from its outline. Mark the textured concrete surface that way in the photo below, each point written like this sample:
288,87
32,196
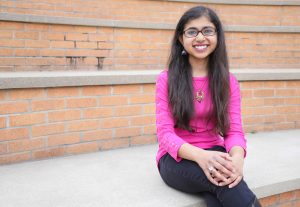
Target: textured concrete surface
82,78
128,177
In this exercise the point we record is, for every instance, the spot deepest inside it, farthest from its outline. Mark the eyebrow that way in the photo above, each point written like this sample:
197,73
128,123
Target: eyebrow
201,28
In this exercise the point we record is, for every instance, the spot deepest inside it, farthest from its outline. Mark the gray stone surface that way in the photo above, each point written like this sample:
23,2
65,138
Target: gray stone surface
138,24
83,78
128,177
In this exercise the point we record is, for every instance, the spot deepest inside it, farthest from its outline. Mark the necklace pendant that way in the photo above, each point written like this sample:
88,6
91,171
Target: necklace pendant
199,96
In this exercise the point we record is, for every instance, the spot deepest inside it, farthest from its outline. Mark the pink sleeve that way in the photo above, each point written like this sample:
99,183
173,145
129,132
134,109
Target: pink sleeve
167,138
235,135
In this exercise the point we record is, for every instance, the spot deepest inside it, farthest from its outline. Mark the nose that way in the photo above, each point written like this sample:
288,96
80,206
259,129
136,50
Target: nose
200,37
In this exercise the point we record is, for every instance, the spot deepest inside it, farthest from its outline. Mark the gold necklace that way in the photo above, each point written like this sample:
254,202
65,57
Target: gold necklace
200,94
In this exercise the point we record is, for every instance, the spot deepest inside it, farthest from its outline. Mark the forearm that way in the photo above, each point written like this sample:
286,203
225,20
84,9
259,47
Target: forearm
237,151
190,152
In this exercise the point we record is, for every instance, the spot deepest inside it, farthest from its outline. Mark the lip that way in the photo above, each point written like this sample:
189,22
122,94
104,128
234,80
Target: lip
200,47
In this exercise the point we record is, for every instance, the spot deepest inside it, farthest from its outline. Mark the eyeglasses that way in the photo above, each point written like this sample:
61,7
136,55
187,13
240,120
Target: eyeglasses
193,32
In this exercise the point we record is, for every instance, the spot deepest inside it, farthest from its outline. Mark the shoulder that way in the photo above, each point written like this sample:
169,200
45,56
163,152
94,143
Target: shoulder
233,80
162,76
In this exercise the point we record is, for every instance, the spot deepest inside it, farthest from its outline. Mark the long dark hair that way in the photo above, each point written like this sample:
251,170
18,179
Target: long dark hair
180,87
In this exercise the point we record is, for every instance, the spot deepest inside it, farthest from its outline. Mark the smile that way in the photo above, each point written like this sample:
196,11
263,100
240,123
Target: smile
200,47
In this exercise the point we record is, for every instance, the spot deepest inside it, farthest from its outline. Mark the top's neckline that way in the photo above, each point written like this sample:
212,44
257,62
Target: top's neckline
200,78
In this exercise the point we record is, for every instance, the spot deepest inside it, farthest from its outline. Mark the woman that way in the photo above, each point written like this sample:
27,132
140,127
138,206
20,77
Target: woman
201,140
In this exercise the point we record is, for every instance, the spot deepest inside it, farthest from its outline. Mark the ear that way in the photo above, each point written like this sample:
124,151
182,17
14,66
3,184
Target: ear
180,40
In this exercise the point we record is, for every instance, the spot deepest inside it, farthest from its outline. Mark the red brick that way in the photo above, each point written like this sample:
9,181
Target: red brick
48,104
11,43
83,147
127,132
246,102
96,90
287,109
63,139
63,92
62,44
271,200
82,125
246,93
97,113
46,153
25,145
52,36
81,37
97,37
81,102
27,35
52,52
264,93
2,122
86,45
287,92
113,100
66,115
274,101
114,122
128,111
27,52
36,27
105,45
11,134
146,98
150,129
27,119
37,43
144,139
6,34
5,52
142,120
127,89
47,129
13,107
114,143
97,135
8,61
149,88
26,94
14,158
288,196
3,148
149,109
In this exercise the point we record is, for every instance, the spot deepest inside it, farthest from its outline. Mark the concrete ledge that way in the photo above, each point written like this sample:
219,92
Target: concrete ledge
133,24
245,2
129,177
83,78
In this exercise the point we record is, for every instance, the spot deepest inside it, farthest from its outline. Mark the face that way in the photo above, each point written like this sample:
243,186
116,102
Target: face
200,46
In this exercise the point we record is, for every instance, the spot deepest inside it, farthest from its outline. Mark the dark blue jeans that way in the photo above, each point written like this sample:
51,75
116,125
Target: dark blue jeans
188,177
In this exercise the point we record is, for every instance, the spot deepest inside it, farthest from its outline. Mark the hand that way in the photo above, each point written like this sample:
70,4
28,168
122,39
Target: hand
217,166
237,175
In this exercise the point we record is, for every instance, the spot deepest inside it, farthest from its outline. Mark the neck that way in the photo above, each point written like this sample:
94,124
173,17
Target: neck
199,66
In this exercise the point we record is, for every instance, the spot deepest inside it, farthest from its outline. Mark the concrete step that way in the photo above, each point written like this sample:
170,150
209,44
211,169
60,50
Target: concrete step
129,177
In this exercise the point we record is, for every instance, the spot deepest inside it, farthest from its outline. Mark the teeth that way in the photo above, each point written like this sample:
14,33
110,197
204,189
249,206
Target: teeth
201,47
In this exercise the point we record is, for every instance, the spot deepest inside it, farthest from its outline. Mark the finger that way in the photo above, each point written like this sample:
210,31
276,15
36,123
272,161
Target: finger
222,169
209,177
239,178
218,175
229,180
226,156
225,163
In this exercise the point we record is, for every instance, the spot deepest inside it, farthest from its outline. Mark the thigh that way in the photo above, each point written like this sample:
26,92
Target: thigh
185,175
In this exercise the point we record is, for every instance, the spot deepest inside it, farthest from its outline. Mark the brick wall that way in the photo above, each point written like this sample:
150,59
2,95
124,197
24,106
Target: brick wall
47,122
287,199
31,46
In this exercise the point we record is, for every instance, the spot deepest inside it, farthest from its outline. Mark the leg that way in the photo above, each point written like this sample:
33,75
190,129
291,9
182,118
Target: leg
188,177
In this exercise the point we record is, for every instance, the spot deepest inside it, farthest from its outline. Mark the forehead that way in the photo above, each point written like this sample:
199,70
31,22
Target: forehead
199,23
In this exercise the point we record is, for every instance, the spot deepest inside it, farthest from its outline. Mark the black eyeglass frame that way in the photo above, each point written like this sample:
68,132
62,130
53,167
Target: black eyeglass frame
200,31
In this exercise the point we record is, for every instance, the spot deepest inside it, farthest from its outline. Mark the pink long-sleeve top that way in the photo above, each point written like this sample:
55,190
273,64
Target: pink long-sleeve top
170,139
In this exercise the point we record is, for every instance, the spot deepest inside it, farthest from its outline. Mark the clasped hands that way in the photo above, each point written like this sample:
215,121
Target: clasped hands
221,168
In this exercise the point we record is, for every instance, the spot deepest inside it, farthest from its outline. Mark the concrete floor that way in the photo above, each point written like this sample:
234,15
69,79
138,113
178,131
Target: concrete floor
129,177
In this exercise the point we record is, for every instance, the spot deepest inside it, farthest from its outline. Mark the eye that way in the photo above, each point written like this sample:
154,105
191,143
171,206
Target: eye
192,32
208,31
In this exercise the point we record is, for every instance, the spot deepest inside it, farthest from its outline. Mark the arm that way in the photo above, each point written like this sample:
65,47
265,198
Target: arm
167,138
